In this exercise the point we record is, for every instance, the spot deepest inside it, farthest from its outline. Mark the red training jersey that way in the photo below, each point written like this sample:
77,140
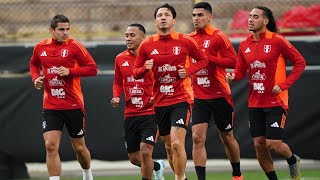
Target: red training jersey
265,61
137,91
210,83
61,92
170,53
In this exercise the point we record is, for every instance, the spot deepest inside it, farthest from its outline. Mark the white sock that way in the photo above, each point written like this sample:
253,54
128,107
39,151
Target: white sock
54,178
87,174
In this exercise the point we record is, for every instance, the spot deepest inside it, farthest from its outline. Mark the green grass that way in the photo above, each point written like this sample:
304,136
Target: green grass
248,175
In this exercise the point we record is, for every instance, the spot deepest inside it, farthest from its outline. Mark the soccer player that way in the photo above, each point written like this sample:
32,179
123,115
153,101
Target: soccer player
263,55
212,93
166,56
63,61
140,126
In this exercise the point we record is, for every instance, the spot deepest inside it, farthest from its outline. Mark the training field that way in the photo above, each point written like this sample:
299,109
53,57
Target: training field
248,175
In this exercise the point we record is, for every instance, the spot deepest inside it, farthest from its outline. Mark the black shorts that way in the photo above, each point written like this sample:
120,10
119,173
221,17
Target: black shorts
74,119
139,129
173,115
217,110
268,122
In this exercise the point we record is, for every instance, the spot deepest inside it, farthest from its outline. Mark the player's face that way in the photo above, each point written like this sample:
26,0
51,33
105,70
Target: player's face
201,18
61,32
164,19
134,36
257,21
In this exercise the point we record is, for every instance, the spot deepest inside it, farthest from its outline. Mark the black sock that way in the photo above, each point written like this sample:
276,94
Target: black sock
272,175
145,178
292,160
201,172
156,166
236,169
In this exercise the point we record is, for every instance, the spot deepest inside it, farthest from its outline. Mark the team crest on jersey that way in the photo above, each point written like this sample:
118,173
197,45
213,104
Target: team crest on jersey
64,52
267,48
176,50
206,43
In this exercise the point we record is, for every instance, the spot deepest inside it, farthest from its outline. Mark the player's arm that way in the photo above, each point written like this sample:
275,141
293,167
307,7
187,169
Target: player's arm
87,67
299,63
228,54
142,65
241,66
117,87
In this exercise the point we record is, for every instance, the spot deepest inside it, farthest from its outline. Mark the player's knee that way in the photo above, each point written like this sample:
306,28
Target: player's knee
51,147
198,139
80,149
176,146
145,154
260,144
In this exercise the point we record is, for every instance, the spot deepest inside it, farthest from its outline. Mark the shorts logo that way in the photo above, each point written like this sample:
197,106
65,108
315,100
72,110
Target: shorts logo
150,138
44,124
228,127
180,121
275,125
80,133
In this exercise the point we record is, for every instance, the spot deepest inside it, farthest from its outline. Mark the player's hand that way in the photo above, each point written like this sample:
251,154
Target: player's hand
182,72
151,100
38,83
230,77
115,101
149,64
276,89
63,71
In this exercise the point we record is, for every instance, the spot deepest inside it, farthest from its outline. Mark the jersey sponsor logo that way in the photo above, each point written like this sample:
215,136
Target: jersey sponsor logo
267,48
136,91
150,138
258,87
180,121
167,67
247,50
275,125
137,101
167,89
59,93
155,51
52,70
64,52
132,79
167,79
176,50
125,64
56,82
43,53
258,76
206,43
204,81
257,64
202,72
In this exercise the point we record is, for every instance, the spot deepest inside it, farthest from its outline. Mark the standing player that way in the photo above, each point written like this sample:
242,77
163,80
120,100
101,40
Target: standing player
212,93
263,54
140,126
63,61
166,55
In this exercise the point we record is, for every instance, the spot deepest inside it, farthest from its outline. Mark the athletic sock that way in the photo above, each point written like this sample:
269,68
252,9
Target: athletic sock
156,166
54,178
87,174
292,160
145,178
201,172
236,169
272,175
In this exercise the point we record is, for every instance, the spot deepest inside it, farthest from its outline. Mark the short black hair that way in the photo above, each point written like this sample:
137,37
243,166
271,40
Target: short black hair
206,6
58,19
141,28
171,8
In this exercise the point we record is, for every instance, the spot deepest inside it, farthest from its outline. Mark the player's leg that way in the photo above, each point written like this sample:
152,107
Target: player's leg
52,130
257,127
180,118
276,118
223,116
201,116
75,123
